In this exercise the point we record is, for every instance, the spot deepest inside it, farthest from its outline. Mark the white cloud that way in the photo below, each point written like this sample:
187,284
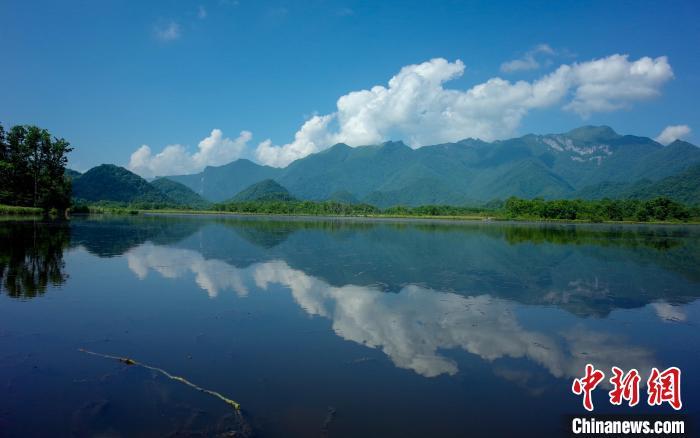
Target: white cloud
529,59
168,31
612,83
672,133
201,12
214,150
415,106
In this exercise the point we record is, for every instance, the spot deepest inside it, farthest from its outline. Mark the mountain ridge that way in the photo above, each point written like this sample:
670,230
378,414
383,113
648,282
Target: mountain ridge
467,171
590,161
112,183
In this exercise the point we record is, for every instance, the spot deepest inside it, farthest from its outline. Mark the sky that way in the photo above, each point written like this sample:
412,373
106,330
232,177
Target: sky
169,87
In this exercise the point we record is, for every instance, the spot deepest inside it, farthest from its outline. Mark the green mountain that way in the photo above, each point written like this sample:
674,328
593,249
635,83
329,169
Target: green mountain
180,193
266,190
108,182
223,182
683,187
466,172
72,174
344,197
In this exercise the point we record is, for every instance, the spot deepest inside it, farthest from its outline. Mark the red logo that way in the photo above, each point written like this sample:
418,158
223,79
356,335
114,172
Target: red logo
624,388
587,384
664,386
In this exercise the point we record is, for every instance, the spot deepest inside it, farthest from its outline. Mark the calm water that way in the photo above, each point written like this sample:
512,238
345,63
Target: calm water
334,327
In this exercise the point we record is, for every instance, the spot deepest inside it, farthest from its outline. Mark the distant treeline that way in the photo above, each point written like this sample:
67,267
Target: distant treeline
657,209
330,208
32,168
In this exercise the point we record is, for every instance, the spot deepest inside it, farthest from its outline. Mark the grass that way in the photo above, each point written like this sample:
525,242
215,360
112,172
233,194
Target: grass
14,210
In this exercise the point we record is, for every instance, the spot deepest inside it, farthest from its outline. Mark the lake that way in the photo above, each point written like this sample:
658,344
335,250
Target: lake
334,327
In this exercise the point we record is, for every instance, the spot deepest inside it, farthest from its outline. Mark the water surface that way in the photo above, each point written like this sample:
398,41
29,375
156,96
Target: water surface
334,327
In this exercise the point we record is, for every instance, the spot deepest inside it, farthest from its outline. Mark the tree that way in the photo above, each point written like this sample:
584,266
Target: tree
32,168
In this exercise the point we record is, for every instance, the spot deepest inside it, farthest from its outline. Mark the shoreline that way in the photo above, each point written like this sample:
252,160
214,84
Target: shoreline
12,212
421,218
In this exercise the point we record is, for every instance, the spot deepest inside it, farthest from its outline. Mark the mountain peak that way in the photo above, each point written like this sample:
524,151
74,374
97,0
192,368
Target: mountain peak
336,147
394,144
593,133
681,144
265,190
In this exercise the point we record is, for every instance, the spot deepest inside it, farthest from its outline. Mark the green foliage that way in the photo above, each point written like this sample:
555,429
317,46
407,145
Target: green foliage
15,210
682,187
329,208
108,182
32,167
72,174
657,209
333,208
112,188
180,194
344,197
266,190
434,210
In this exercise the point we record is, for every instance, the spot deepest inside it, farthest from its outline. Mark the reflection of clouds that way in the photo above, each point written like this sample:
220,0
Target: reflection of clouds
668,313
577,290
412,326
211,275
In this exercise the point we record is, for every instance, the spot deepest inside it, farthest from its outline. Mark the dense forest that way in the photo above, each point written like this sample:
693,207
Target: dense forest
298,207
32,168
633,210
657,209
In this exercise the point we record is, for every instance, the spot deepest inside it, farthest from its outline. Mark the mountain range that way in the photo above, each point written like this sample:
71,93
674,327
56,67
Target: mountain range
111,183
590,162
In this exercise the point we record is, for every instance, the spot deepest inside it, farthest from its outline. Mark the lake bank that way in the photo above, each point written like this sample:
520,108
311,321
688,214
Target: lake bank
15,210
470,218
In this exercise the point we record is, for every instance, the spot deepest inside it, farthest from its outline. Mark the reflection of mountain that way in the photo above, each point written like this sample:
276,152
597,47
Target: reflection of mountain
413,326
588,270
112,236
31,257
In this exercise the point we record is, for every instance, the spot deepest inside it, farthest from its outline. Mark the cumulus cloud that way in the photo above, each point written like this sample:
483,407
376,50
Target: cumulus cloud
529,60
672,133
214,150
416,107
168,31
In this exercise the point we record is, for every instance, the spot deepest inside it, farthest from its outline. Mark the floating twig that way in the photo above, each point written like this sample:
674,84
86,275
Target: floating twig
330,414
128,361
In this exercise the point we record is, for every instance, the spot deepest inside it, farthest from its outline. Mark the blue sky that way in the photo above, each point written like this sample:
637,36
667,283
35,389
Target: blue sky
111,76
